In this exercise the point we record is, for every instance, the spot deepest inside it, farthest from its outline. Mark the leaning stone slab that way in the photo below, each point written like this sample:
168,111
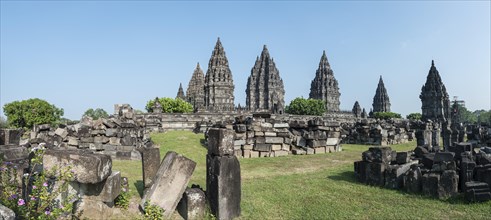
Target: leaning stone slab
394,175
169,183
223,187
220,141
150,164
192,204
61,132
87,167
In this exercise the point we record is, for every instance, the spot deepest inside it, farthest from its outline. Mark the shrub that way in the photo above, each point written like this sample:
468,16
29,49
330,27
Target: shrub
414,116
386,115
301,106
153,212
170,105
42,200
96,114
123,200
27,113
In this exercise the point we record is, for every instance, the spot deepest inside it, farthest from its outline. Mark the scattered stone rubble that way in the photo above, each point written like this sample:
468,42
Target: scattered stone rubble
378,132
435,173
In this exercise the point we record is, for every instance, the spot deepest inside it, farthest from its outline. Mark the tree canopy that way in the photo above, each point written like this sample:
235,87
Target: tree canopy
96,114
170,105
302,106
27,113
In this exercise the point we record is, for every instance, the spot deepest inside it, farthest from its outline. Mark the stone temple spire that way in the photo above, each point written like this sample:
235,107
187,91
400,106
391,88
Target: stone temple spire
434,97
325,86
381,102
180,93
265,91
219,85
356,109
196,89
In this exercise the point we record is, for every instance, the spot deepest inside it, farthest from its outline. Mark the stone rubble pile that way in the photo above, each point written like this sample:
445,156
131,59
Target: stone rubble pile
440,174
118,136
378,132
262,136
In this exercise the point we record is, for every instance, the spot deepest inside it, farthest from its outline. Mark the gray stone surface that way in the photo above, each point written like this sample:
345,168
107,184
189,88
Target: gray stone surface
220,141
92,209
87,167
170,182
13,152
223,186
104,191
192,204
150,164
6,213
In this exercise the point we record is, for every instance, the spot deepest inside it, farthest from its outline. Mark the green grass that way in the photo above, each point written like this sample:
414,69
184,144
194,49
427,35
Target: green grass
310,186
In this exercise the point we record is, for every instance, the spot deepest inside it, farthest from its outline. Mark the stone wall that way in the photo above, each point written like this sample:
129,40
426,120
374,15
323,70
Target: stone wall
379,132
264,136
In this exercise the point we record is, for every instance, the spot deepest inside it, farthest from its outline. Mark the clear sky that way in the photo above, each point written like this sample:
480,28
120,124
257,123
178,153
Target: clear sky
87,54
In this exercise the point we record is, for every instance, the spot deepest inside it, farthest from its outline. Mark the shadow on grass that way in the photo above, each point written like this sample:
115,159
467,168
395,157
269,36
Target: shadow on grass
347,176
139,187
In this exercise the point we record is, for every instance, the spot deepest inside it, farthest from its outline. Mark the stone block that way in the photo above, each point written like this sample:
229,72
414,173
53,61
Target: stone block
246,153
378,155
223,187
62,132
283,134
259,134
101,140
428,160
111,132
420,151
320,150
477,192
448,185
309,150
413,180
375,174
280,153
169,182
260,140
403,157
394,175
300,142
192,204
150,164
72,141
220,141
6,213
275,147
240,128
254,154
264,154
274,140
269,134
297,151
316,143
262,147
430,184
281,125
444,156
13,152
361,171
87,139
466,172
105,191
10,136
239,142
247,147
114,141
92,209
87,167
286,147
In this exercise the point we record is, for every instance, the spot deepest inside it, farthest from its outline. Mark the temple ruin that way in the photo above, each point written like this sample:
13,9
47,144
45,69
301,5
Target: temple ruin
325,86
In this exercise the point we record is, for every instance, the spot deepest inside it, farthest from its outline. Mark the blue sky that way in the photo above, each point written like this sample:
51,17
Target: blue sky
87,54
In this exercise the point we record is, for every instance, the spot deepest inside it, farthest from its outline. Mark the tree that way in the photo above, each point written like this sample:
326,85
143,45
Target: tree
170,105
96,114
27,113
386,115
414,116
484,117
301,106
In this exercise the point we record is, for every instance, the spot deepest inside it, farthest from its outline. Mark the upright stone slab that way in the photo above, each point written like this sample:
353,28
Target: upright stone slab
375,174
220,141
223,186
170,182
394,175
192,204
431,181
448,186
105,191
413,180
150,164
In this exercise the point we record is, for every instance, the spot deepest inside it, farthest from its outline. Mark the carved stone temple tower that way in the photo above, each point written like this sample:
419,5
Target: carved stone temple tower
434,97
196,89
381,102
265,91
325,86
180,93
219,85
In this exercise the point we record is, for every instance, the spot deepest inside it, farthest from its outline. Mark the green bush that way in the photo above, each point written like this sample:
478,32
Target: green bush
96,114
386,115
153,212
301,106
170,105
414,116
123,200
43,200
27,113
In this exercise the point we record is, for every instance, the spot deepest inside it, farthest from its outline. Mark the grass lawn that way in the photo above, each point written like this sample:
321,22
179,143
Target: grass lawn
309,186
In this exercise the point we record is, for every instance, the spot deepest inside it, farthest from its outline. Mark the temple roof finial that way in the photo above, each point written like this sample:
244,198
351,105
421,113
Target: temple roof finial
432,63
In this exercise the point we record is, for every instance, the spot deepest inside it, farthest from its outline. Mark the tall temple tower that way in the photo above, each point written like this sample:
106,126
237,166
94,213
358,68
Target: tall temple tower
180,93
219,85
196,89
381,102
265,91
356,109
434,97
325,86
